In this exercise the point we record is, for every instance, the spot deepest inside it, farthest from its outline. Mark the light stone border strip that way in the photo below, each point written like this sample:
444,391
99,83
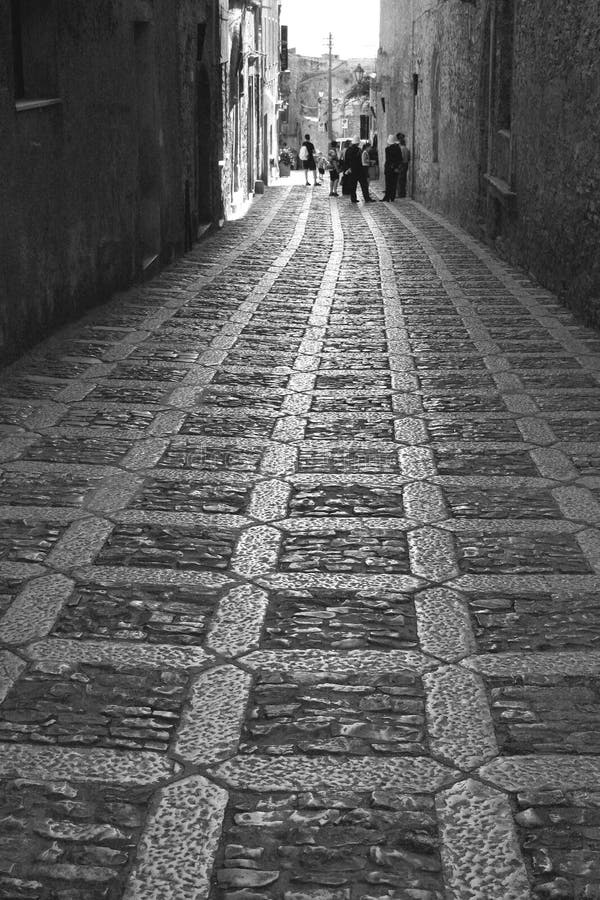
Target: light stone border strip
256,552
279,460
520,773
120,655
57,515
536,431
459,723
366,662
117,492
89,764
554,464
349,582
176,853
11,667
167,423
237,624
444,625
508,526
366,479
269,501
211,724
289,429
411,431
424,502
318,524
589,541
480,850
417,462
413,774
577,503
123,575
34,611
19,570
550,662
516,583
145,454
80,543
297,404
432,554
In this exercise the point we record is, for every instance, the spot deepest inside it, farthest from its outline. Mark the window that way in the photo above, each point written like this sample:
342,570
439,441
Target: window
34,49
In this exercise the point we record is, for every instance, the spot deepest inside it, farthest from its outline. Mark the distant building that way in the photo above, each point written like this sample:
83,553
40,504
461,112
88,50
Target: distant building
305,92
127,127
500,102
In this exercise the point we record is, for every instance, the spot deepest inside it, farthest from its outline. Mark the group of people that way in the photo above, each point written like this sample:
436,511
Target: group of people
350,163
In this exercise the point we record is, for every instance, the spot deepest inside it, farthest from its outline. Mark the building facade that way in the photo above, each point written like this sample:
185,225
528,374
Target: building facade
305,92
500,101
118,142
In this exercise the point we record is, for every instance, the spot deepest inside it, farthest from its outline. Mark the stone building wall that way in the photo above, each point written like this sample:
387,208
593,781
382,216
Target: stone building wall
99,157
506,126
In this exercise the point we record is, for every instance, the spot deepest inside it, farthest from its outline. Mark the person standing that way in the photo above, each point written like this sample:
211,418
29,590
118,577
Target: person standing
308,160
333,163
355,171
344,179
391,168
403,174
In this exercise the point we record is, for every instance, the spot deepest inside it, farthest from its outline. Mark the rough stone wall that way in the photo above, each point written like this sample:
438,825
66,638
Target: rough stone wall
553,144
71,170
557,127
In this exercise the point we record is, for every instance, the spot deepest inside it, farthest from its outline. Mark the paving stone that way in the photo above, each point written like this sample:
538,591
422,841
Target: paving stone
169,494
172,547
44,488
546,714
421,413
349,619
499,504
520,553
323,500
352,714
470,461
354,428
334,844
336,550
81,450
86,705
239,426
364,460
26,542
204,457
138,613
577,428
68,839
530,621
474,430
559,836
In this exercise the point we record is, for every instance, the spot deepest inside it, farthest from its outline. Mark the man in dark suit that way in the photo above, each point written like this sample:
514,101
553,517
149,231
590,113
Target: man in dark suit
355,171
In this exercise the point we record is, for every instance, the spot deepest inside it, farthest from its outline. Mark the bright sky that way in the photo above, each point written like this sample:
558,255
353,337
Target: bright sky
354,25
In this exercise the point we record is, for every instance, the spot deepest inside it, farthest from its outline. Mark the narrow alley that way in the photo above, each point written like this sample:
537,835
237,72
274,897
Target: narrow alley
300,568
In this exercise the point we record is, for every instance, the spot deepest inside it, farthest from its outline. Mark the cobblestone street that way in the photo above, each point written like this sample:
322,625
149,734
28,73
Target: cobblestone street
300,576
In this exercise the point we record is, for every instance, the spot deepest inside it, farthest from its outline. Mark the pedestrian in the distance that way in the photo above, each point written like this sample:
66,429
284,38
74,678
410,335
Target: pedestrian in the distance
391,167
366,161
307,155
403,174
344,180
333,162
355,171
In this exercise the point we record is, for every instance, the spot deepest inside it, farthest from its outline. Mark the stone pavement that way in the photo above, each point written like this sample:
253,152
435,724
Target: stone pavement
300,572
